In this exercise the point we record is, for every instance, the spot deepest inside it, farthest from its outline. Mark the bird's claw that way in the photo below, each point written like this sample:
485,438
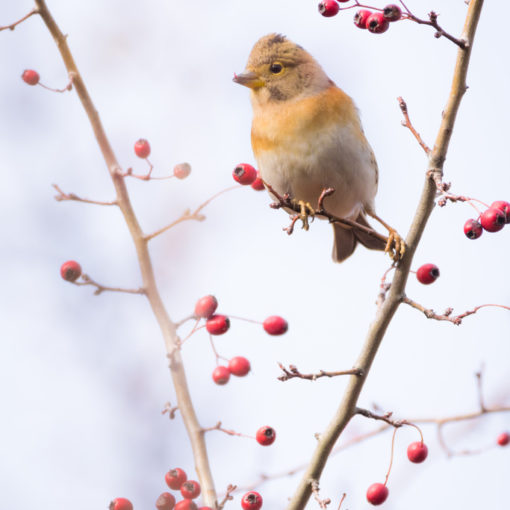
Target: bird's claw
395,246
305,211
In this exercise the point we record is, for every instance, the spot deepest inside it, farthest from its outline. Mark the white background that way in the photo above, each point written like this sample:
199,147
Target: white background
83,378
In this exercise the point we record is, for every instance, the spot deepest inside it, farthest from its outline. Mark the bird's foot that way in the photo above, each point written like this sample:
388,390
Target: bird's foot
395,246
305,211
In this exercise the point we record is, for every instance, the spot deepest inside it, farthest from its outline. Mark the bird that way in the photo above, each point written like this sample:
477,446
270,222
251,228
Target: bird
306,137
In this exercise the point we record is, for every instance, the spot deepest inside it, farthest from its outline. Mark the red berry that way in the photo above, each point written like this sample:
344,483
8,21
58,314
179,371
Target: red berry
190,489
70,270
360,18
392,12
175,478
251,501
473,229
166,501
258,184
275,325
205,508
182,170
239,366
328,8
504,207
121,504
265,435
206,306
217,324
492,220
503,439
377,24
30,76
244,173
221,375
142,148
428,273
377,493
417,452
186,504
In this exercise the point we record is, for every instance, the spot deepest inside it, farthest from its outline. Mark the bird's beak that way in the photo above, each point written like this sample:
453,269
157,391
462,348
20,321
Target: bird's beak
249,79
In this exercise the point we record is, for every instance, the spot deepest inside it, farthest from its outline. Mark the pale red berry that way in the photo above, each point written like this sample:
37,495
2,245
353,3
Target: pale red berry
377,493
428,273
186,504
142,148
258,184
217,324
329,8
360,18
166,501
417,452
251,501
504,207
492,220
70,270
377,24
473,229
244,173
121,504
182,170
221,375
275,325
239,366
503,439
392,12
265,435
30,76
206,306
190,489
175,478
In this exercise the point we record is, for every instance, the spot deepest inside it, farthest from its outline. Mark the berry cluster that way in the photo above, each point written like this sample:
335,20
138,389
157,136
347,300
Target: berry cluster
493,219
376,21
245,174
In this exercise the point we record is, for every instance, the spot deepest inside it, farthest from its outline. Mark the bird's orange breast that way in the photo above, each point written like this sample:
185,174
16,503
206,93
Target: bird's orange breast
282,124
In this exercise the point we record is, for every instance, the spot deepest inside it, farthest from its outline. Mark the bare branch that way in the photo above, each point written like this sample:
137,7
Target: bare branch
71,196
293,372
407,123
228,496
323,503
12,26
87,280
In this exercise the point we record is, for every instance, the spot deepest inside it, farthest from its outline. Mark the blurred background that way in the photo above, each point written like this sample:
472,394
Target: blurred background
84,378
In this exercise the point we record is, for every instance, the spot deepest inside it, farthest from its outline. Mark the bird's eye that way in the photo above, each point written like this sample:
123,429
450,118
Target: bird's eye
276,68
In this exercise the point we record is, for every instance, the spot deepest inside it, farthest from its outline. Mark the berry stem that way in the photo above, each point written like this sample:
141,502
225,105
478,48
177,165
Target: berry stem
69,85
218,357
87,280
391,456
226,431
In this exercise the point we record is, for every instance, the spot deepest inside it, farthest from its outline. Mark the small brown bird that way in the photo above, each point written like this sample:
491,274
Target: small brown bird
307,136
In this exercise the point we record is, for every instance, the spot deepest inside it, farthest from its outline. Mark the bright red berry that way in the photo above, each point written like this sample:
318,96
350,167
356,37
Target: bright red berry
70,270
258,184
251,501
504,207
503,439
182,170
377,493
377,23
205,508
244,173
360,18
217,324
30,76
166,501
186,504
328,8
239,366
417,452
142,148
190,489
175,478
473,229
221,375
265,435
392,12
492,220
121,504
275,325
206,306
428,273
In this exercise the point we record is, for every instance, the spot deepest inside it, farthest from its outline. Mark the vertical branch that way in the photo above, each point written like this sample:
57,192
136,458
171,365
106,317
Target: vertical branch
168,328
377,329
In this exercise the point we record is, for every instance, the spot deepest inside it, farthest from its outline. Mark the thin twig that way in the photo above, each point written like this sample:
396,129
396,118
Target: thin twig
171,410
12,26
228,496
229,432
71,196
323,503
292,372
68,87
87,280
407,123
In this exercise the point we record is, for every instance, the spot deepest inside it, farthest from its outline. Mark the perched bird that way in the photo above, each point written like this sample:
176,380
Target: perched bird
307,136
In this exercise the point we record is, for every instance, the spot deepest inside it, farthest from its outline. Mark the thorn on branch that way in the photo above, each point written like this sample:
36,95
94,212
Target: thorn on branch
293,372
